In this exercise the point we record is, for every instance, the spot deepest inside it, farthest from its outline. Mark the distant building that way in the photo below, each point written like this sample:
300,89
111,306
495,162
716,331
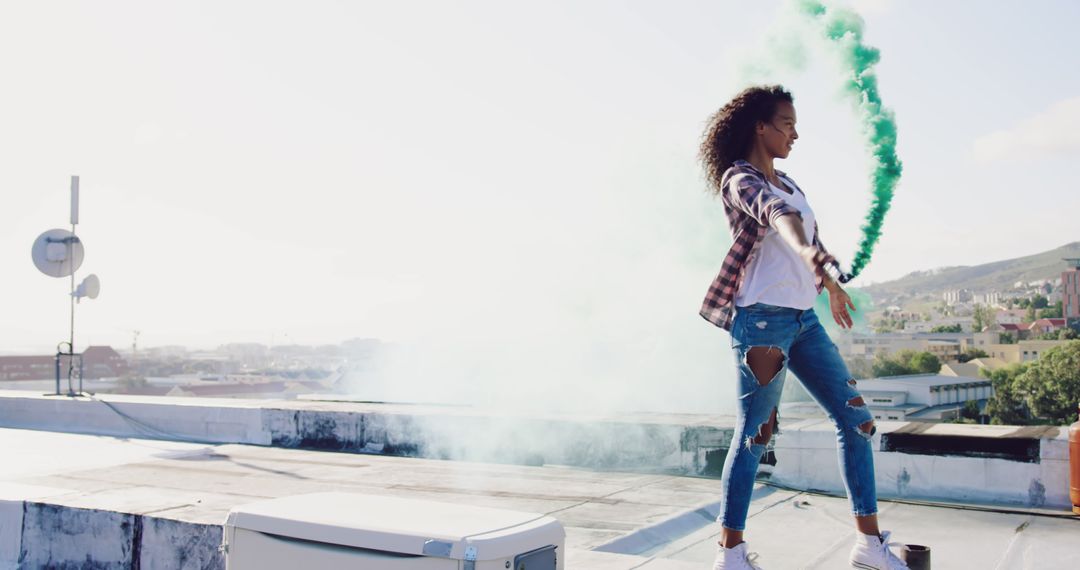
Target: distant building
898,314
1010,316
103,362
864,345
944,349
173,351
98,362
1019,331
919,325
1043,326
971,368
991,299
981,339
27,367
958,369
273,389
1070,290
912,396
955,296
946,346
1022,351
1026,331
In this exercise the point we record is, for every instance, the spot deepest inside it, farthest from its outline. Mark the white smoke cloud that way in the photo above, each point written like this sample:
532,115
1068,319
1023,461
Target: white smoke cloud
1055,131
869,7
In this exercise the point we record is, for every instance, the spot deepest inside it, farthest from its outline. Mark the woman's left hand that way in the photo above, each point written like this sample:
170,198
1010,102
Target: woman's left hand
839,302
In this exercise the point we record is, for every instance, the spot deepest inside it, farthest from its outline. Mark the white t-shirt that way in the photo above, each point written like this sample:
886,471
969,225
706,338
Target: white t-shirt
777,275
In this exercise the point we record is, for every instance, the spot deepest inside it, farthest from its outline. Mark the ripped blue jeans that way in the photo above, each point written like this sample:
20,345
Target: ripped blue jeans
806,349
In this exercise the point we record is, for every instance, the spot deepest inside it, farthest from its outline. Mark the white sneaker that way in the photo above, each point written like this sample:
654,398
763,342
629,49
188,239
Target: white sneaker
872,553
735,558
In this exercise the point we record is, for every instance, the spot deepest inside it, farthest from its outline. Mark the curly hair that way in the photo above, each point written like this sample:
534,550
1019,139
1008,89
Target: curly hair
729,134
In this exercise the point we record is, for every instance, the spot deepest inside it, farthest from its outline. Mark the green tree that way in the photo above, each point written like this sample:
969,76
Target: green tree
888,324
1007,338
978,318
906,362
972,353
1030,316
924,363
983,316
1051,384
1053,312
1068,334
947,329
889,367
1006,406
1040,302
970,410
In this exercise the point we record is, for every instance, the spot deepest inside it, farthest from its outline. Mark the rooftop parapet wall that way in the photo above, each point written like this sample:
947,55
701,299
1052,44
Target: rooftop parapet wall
999,464
670,443
1019,465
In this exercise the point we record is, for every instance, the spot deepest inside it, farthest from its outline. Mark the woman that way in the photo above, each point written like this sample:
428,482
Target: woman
764,297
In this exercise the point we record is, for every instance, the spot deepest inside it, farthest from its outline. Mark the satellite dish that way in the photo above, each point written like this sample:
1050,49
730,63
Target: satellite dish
90,287
57,253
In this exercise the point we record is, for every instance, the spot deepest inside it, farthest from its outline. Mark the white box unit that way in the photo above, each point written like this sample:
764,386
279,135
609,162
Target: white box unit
375,532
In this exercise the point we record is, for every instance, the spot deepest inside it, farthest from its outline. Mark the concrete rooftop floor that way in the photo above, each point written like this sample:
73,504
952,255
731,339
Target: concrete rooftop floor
663,521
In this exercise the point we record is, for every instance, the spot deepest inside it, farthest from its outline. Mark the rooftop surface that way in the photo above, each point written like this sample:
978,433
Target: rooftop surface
613,520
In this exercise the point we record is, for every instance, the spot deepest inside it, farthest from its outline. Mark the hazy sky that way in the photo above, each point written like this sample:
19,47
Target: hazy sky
490,171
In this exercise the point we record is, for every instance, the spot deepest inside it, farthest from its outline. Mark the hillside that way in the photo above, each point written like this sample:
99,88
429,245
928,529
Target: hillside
997,275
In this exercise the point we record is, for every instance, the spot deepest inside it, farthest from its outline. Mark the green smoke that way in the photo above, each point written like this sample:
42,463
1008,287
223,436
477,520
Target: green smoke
864,305
843,30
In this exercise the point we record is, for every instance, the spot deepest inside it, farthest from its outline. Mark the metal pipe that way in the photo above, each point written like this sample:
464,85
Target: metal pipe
916,556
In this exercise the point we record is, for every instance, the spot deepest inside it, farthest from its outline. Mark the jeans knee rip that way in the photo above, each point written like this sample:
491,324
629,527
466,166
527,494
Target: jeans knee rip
769,349
755,449
858,403
751,442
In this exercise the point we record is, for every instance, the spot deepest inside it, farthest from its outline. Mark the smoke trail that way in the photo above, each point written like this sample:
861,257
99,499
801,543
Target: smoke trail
843,29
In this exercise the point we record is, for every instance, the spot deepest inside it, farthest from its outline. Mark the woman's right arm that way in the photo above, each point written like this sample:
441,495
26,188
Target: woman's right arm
790,228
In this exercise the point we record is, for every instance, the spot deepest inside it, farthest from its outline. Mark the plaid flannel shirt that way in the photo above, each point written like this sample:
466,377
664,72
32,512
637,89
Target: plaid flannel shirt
751,207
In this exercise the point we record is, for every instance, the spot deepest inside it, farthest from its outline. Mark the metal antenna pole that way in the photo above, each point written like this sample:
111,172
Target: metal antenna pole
71,336
54,261
74,238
